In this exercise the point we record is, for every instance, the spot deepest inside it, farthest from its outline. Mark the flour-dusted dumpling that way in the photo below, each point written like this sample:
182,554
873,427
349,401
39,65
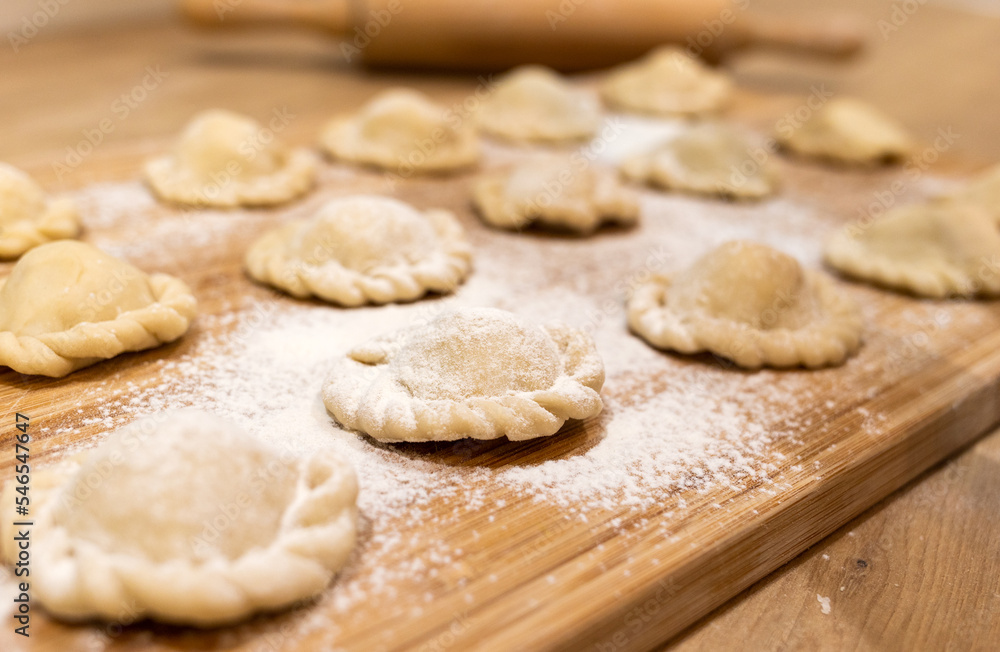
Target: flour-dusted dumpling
226,159
668,81
186,519
475,372
708,159
364,249
27,219
937,249
558,191
67,305
983,191
533,103
849,131
403,130
751,304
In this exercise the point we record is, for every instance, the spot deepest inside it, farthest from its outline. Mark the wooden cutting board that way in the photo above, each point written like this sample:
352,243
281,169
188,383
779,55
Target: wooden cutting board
523,576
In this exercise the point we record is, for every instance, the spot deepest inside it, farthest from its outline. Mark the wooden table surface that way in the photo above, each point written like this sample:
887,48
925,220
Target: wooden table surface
911,573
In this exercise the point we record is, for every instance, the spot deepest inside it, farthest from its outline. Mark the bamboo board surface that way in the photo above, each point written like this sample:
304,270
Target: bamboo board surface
535,579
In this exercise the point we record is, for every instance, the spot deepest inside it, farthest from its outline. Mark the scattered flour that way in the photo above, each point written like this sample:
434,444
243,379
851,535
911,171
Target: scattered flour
673,429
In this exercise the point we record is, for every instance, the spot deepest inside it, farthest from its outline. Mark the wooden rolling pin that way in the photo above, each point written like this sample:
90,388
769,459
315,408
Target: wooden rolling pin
499,34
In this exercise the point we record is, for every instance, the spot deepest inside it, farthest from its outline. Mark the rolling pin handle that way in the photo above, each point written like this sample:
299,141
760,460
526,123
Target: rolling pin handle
838,38
328,15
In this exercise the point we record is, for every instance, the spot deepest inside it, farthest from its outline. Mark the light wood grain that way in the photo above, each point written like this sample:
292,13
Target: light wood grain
583,583
309,79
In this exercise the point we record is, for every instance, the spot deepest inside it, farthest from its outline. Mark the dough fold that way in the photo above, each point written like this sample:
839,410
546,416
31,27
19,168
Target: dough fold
707,159
224,159
563,192
480,373
364,249
535,104
27,219
404,131
67,305
750,304
186,519
667,81
937,249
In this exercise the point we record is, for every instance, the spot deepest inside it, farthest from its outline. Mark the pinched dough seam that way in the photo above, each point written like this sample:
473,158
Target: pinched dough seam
937,280
341,140
826,342
442,271
77,580
387,411
57,354
606,205
172,183
59,222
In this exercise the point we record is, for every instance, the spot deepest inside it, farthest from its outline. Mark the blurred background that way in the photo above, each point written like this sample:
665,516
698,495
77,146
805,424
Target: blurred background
931,63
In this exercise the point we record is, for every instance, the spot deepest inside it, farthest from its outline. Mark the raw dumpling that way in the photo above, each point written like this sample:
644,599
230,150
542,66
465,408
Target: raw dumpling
937,249
226,159
751,304
67,305
667,81
708,159
186,519
476,372
363,249
849,131
983,191
533,103
559,191
404,131
27,219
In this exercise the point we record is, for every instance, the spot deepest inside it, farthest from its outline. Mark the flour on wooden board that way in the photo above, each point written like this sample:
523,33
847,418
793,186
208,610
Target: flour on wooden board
670,424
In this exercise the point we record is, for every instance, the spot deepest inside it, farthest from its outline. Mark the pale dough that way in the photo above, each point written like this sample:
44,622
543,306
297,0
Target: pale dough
226,159
67,305
750,304
849,131
404,131
27,219
186,519
982,191
936,249
533,103
475,372
364,249
566,192
668,81
707,159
